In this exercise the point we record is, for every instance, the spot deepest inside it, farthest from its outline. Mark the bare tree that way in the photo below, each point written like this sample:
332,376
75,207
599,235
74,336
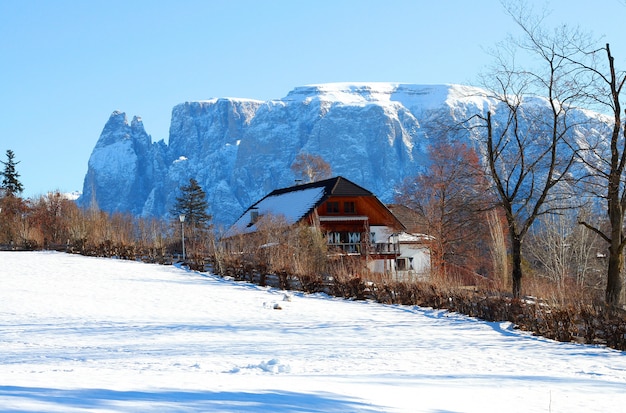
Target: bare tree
13,209
450,198
562,249
497,247
50,214
608,164
311,167
526,145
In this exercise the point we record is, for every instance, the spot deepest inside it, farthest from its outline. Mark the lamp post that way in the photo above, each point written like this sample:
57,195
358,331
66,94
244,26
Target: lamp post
395,239
182,230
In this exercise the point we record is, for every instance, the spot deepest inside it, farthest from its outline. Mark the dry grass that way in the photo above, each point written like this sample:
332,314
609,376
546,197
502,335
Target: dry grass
567,310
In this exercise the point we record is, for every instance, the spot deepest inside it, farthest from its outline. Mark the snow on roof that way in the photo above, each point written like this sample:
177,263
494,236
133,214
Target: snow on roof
292,206
407,237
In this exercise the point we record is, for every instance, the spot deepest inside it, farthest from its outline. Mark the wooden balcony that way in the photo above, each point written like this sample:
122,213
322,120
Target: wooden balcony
386,249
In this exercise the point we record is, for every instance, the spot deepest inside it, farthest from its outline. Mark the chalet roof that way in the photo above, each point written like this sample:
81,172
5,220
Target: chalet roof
409,217
295,202
337,186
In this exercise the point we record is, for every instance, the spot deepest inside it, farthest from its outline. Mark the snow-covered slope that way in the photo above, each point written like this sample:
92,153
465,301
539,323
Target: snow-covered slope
81,334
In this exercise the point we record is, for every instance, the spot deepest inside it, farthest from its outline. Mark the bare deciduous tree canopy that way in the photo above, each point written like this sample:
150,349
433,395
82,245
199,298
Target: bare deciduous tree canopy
528,153
311,167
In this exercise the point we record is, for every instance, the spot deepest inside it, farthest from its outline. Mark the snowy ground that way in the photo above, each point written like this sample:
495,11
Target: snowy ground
84,334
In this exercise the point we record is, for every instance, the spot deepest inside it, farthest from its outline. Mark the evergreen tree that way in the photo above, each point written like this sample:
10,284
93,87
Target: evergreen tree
193,204
11,185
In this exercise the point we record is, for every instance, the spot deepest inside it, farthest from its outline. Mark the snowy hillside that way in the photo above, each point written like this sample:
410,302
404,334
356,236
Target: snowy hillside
82,334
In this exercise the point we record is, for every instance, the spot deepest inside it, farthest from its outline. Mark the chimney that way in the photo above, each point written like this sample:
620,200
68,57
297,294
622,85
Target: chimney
254,215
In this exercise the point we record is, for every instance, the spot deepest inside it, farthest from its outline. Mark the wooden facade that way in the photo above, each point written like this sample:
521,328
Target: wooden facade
348,223
353,220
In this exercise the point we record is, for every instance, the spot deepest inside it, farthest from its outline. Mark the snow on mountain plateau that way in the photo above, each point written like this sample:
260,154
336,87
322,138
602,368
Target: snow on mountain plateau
241,149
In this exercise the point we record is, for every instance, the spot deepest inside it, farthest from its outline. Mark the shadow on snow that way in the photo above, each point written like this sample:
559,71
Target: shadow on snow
49,399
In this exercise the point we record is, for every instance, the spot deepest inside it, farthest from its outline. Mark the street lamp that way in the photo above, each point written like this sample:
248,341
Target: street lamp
182,230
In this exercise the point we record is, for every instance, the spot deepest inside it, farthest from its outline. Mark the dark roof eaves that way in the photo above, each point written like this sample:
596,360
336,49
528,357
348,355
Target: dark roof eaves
366,191
317,184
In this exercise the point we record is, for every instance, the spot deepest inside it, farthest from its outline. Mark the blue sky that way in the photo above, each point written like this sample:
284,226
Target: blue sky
66,65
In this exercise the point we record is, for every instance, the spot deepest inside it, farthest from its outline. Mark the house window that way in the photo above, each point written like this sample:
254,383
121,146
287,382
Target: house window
354,242
332,207
334,238
348,207
354,237
401,264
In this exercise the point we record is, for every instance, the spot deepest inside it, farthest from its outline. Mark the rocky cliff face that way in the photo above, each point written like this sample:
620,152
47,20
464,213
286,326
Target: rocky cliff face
123,166
239,150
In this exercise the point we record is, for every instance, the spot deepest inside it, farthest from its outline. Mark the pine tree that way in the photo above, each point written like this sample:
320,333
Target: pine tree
11,185
193,204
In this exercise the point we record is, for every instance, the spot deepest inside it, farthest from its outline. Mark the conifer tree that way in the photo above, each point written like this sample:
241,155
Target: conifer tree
11,185
193,204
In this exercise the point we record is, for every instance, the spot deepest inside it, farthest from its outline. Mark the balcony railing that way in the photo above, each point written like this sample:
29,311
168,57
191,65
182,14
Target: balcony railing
349,248
386,248
379,248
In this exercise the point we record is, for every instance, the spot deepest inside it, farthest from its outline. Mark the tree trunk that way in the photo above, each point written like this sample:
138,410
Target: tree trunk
616,258
516,252
614,277
615,198
616,220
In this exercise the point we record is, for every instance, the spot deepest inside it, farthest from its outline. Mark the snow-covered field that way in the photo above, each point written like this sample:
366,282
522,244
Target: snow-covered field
82,334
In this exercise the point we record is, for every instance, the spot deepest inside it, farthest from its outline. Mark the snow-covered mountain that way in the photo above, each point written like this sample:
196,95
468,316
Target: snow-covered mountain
374,134
241,149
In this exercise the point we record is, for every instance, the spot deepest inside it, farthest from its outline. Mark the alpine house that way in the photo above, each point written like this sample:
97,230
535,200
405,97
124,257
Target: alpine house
352,219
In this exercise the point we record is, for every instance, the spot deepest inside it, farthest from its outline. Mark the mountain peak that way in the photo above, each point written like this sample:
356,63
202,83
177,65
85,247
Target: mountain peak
136,122
241,149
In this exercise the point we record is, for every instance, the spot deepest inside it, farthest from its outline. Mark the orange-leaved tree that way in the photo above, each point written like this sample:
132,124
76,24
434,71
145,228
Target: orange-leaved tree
451,199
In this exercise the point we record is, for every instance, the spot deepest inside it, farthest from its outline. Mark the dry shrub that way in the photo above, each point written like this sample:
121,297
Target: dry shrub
582,324
312,283
564,293
579,323
276,253
297,257
347,275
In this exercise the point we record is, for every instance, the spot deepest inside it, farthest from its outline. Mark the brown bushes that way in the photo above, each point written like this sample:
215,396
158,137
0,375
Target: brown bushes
550,318
56,223
566,311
